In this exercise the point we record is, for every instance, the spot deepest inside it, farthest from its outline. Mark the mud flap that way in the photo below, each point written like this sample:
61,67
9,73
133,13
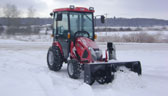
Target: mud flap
106,70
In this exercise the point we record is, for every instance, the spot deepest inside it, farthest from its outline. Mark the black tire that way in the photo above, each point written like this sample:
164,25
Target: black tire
74,69
54,58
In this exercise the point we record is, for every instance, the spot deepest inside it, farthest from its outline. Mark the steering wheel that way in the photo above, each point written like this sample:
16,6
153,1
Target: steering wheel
81,34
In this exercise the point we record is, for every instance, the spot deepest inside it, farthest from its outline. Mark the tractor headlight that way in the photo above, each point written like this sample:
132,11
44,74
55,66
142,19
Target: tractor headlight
93,54
98,54
72,7
91,8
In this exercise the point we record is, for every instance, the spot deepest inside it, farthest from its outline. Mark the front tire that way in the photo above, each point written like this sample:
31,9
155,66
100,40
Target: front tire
74,69
54,58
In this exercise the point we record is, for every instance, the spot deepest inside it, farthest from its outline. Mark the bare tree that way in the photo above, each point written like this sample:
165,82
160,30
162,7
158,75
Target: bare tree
0,10
31,12
11,11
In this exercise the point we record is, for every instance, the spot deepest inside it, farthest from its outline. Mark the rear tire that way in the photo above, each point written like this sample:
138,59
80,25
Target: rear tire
54,58
74,69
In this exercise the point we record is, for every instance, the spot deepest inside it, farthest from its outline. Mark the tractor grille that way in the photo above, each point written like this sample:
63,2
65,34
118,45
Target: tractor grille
85,54
96,49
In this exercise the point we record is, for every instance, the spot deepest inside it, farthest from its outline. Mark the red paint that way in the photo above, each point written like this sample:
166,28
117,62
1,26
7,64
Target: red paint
82,44
72,53
76,9
106,58
87,42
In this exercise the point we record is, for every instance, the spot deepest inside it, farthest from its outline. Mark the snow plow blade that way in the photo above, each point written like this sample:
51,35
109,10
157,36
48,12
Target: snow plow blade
104,72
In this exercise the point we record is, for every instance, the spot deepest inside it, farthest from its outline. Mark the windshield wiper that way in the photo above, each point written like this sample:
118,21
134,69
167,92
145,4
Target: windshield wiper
87,16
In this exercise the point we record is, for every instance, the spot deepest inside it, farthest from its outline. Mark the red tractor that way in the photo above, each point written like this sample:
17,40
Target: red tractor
73,43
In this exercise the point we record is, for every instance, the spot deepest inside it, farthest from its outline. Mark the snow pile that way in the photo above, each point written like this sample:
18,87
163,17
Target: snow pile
125,83
84,90
127,79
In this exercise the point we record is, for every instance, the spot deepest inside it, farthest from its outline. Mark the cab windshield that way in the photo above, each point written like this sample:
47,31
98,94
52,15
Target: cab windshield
81,22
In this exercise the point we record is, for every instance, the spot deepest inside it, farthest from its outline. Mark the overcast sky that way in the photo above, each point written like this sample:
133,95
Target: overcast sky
119,8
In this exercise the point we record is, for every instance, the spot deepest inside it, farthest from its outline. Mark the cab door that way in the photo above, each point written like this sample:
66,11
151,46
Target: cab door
62,33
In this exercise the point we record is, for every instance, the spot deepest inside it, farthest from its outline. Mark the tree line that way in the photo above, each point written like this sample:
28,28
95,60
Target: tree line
11,15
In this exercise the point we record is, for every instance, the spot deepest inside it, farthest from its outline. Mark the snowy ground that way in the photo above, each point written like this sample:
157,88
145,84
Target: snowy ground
161,34
24,72
47,38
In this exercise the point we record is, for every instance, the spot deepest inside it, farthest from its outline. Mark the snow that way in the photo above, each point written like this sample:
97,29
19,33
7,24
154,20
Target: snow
121,33
24,72
27,38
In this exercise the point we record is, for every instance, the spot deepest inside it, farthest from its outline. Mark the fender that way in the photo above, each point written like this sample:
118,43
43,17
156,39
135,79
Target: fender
72,54
56,43
82,44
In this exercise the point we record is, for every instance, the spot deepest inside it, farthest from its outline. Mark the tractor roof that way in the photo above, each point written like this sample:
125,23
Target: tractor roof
76,9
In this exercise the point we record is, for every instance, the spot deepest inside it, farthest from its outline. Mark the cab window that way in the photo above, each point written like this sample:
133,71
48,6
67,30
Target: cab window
62,26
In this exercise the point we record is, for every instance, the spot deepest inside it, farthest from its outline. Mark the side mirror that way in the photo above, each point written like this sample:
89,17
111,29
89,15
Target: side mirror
51,14
102,19
59,17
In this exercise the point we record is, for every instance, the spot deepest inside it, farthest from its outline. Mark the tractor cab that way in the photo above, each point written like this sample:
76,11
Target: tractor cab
70,23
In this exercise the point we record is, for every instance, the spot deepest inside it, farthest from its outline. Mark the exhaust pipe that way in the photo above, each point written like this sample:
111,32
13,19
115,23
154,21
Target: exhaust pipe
111,51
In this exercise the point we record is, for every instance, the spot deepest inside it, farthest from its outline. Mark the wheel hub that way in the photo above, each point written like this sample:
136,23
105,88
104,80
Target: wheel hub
51,58
70,69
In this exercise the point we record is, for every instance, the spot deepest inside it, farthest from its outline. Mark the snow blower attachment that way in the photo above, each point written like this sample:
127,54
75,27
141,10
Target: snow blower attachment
104,72
73,43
